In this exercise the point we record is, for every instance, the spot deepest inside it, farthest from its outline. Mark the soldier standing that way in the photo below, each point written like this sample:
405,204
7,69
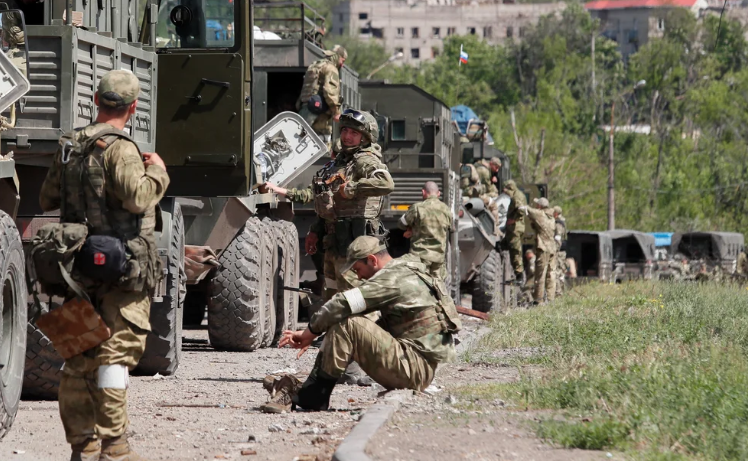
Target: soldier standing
401,351
348,193
322,87
515,228
113,190
542,222
530,271
428,224
560,237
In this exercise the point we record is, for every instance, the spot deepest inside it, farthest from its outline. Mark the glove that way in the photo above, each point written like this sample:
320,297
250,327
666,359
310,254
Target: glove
558,238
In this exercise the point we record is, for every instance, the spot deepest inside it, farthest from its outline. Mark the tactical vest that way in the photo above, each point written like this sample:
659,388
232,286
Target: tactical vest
442,318
312,77
86,201
330,205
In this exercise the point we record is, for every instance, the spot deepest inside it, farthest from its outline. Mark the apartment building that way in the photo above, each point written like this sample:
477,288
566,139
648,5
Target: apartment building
417,28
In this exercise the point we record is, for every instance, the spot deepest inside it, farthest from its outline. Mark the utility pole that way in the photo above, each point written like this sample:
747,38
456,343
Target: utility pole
611,173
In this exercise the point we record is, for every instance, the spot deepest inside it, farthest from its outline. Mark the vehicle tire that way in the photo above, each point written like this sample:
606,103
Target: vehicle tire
195,302
14,311
163,349
236,313
41,377
270,269
487,284
287,302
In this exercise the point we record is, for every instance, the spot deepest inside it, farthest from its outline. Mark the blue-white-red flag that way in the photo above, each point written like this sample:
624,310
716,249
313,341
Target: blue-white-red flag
463,57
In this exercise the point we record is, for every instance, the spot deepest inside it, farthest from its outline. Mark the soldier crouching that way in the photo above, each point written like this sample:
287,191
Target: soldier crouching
401,351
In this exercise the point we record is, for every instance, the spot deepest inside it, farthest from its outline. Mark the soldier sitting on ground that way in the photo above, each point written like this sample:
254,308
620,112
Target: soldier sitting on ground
401,351
428,224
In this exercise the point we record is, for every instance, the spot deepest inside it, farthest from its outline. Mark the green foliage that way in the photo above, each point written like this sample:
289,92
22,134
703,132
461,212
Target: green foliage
689,173
654,368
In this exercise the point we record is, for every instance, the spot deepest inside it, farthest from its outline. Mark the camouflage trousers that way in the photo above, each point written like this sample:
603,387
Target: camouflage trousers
335,281
545,284
87,411
514,237
560,272
391,363
321,124
436,269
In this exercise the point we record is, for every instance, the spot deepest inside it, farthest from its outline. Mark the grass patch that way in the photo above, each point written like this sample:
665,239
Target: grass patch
659,370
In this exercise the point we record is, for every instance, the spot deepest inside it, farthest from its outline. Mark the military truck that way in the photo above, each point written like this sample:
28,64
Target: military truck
633,255
715,250
13,309
195,109
592,253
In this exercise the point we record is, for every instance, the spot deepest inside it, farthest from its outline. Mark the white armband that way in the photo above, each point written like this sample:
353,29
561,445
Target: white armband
355,300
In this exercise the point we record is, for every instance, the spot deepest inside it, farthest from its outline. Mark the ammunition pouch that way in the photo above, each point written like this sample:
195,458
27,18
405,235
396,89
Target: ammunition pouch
53,251
102,259
348,229
317,105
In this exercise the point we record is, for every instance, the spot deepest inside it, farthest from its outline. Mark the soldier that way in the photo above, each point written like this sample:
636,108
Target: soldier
14,36
322,86
348,193
488,173
515,227
113,190
542,222
470,181
560,236
742,264
428,224
530,274
417,324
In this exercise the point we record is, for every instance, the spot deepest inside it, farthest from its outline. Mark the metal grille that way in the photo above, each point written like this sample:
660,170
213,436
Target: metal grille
408,187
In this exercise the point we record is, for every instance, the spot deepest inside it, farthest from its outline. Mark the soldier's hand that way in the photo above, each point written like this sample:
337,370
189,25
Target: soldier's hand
298,340
152,158
273,188
310,243
336,117
341,190
408,233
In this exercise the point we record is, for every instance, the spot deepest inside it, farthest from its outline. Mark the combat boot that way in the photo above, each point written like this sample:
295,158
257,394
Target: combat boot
118,449
282,391
354,375
315,393
86,451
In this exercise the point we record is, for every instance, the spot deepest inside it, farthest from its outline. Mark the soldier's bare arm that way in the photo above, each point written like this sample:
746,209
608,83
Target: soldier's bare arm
138,187
49,196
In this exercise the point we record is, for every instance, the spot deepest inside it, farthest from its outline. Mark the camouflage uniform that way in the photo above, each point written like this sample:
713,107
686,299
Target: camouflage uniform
131,193
543,224
13,34
515,226
342,219
560,235
742,264
470,182
530,271
414,334
483,167
323,78
430,221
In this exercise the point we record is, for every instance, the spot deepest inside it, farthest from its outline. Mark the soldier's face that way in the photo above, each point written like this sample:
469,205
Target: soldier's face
350,137
366,268
341,61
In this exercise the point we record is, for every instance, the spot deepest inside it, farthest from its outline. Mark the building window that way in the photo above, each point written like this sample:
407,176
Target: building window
487,32
521,32
397,131
414,32
471,30
451,30
340,31
435,32
415,53
363,16
509,32
660,23
400,31
434,52
340,17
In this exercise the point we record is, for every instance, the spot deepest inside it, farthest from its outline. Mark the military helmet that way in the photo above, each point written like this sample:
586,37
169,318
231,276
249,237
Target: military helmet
557,209
340,51
361,121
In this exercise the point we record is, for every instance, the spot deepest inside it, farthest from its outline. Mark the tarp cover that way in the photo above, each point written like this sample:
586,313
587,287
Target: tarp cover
662,239
646,241
605,242
709,245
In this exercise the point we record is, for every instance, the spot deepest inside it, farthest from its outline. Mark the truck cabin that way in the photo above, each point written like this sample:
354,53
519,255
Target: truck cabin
633,254
592,253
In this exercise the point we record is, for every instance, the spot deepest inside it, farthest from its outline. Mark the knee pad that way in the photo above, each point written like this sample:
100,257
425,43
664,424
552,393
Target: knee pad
113,377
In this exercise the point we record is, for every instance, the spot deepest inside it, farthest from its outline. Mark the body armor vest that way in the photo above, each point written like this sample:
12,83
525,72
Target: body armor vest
330,205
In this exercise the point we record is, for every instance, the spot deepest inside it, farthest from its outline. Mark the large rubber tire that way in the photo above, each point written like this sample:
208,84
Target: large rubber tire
487,284
41,380
287,302
163,349
270,270
13,312
236,312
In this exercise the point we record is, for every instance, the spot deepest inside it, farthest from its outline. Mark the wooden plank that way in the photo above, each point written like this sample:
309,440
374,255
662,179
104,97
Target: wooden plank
472,313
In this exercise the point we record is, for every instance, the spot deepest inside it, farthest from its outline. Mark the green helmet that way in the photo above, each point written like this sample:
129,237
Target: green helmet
361,121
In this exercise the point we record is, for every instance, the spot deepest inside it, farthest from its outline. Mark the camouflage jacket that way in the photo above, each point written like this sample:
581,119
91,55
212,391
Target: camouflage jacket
430,222
484,173
560,231
419,314
544,225
323,77
129,187
515,217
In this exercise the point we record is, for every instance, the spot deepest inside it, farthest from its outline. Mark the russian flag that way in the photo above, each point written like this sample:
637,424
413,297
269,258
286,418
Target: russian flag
463,57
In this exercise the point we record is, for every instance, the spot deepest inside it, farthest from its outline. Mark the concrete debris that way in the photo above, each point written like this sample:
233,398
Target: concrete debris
276,428
451,399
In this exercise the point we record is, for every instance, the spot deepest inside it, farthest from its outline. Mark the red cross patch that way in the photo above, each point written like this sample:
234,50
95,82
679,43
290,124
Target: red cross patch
99,259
